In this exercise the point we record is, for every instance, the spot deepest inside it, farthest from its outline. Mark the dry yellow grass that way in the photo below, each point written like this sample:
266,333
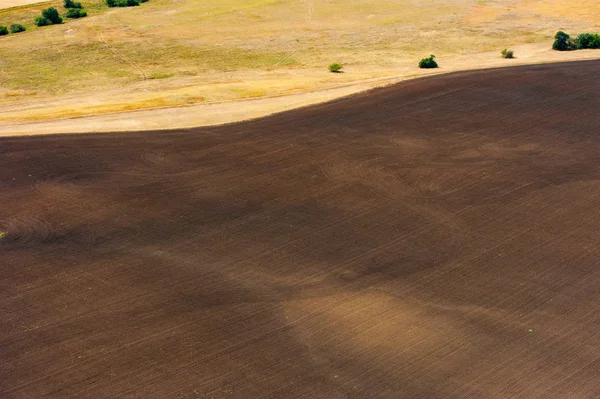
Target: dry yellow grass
169,52
17,3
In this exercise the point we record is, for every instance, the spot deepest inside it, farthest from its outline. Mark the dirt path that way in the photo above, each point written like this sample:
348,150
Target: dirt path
434,239
234,111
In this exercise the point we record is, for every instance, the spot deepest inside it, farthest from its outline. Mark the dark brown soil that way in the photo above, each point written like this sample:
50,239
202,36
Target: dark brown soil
435,239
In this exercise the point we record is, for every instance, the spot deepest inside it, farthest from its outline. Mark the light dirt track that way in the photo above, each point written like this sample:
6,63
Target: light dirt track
17,3
434,239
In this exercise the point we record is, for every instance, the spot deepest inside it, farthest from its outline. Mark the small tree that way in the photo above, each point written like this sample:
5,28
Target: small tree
428,62
75,13
563,42
3,30
51,14
335,67
16,28
506,53
71,4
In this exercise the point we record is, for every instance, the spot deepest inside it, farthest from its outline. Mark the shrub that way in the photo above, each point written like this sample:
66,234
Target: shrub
51,14
587,40
71,4
3,30
16,28
76,13
335,67
42,21
563,42
428,62
124,3
506,53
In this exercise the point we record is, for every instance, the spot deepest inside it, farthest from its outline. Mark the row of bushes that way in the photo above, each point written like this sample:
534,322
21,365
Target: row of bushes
72,4
50,16
563,42
425,63
14,28
124,3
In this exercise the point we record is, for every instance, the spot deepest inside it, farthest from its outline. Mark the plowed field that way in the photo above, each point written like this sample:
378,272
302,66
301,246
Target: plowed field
439,238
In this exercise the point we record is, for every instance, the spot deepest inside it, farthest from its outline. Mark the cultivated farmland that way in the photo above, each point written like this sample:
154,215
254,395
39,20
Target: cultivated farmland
436,239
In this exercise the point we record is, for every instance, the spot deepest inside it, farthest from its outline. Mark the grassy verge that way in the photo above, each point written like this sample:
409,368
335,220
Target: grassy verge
165,45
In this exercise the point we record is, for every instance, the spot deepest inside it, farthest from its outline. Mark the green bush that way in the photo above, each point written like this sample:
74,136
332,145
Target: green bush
76,13
51,14
16,28
124,3
3,30
428,62
42,21
563,42
335,67
587,40
506,53
71,4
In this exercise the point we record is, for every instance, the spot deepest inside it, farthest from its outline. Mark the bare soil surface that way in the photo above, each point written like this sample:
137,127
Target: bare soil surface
434,239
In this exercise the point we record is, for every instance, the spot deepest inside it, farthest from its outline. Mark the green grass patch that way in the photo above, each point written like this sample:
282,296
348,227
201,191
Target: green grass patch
159,75
249,93
68,67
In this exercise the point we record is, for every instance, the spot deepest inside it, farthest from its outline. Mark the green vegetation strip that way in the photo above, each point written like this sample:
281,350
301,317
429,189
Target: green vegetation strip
563,41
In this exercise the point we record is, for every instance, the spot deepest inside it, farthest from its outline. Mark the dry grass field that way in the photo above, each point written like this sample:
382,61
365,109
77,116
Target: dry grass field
18,3
434,239
172,52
